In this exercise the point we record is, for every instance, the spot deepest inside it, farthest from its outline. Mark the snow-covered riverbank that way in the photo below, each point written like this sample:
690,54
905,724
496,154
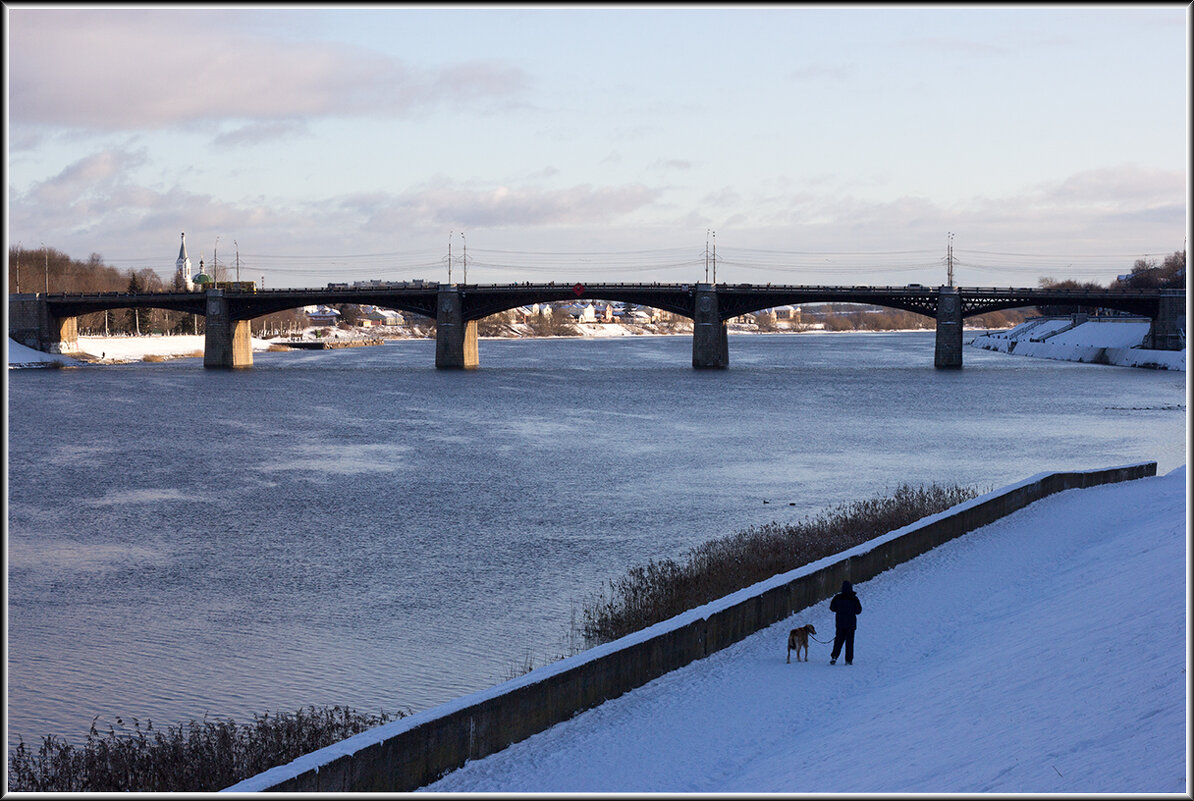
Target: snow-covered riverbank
1027,656
117,350
1105,341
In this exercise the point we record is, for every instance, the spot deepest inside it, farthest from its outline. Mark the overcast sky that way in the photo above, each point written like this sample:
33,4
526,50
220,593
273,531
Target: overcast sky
811,145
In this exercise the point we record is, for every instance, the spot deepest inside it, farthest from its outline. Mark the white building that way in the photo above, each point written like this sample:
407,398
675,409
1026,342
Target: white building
183,266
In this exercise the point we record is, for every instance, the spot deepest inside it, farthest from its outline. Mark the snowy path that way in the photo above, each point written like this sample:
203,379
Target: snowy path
1043,653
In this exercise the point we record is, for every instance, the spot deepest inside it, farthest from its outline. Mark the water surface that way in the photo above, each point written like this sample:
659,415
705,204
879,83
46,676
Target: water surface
356,527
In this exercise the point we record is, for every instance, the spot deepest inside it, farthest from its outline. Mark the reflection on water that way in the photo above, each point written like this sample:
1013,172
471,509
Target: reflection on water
356,527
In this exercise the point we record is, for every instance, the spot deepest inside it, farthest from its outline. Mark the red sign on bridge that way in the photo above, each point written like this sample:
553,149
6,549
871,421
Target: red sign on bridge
579,289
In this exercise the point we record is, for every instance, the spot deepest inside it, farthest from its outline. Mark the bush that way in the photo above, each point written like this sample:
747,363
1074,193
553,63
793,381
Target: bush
197,757
662,589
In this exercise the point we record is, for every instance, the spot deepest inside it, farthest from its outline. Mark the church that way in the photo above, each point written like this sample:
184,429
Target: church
182,274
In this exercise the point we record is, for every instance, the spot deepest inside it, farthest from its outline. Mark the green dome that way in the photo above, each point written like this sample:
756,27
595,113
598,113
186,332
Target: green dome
203,278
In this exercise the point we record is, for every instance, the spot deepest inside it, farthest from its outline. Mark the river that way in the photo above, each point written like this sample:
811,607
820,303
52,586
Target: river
355,527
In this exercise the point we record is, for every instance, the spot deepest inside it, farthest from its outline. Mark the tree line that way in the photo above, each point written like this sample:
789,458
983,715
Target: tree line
52,271
1170,273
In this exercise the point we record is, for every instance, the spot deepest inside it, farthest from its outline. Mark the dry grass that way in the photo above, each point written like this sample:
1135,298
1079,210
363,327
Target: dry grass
154,358
662,589
199,757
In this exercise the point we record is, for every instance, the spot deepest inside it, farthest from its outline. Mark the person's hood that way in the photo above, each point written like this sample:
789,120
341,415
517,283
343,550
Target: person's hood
847,587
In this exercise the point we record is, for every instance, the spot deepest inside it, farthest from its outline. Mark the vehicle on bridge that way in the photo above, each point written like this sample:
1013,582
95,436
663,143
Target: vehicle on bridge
231,286
417,283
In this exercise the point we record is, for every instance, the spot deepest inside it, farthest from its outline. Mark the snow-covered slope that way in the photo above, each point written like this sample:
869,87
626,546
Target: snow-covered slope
1105,341
1046,652
22,356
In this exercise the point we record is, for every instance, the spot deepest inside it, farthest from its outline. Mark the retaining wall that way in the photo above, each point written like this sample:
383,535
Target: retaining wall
411,752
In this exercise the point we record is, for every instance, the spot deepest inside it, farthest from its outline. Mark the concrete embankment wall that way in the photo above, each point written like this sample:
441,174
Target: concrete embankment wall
411,752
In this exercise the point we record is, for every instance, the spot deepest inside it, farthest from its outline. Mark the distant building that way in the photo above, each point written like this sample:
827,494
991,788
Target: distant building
202,279
183,267
321,315
375,316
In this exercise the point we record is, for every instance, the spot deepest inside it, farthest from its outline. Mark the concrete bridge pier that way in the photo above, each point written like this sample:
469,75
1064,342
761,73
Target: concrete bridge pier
949,329
710,347
226,343
1168,331
455,337
31,324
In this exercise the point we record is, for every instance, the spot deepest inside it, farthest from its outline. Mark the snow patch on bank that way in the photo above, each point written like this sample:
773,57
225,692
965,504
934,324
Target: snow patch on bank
21,356
116,350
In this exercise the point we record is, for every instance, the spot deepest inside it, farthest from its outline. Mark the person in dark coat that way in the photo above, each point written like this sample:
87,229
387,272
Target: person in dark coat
846,608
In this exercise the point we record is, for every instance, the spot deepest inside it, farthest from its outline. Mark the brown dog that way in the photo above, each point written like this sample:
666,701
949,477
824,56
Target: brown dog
797,639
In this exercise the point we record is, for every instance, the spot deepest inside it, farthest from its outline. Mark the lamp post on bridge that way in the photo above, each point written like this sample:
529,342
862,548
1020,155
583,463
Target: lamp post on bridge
47,253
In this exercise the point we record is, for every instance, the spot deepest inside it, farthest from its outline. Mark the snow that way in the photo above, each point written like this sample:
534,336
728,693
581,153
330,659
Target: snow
1116,342
118,349
1104,335
1045,652
21,356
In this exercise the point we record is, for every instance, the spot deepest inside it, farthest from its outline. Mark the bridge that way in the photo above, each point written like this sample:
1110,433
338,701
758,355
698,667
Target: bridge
50,322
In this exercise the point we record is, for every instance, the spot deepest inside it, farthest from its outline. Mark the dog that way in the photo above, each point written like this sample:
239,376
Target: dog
797,639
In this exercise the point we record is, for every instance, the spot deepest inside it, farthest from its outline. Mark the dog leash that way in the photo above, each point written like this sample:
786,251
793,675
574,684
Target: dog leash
823,642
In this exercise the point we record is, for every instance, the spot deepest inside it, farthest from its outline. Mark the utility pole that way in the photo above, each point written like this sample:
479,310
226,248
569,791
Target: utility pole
949,260
18,268
237,260
706,255
47,252
215,261
464,257
715,257
450,257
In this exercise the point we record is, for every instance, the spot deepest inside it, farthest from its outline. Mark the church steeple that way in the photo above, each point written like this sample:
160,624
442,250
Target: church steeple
183,265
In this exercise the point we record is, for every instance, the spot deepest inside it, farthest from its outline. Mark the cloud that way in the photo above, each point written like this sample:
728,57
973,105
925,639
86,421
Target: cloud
505,206
255,133
86,177
1117,185
119,69
96,204
671,164
726,196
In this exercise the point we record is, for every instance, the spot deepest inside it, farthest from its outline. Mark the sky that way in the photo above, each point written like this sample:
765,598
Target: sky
804,144
1032,655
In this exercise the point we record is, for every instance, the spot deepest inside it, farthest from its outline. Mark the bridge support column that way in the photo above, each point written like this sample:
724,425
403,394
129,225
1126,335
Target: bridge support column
1168,331
455,337
31,324
710,347
949,329
226,343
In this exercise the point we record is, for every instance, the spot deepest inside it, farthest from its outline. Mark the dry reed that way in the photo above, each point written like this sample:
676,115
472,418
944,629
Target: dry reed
197,757
664,588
